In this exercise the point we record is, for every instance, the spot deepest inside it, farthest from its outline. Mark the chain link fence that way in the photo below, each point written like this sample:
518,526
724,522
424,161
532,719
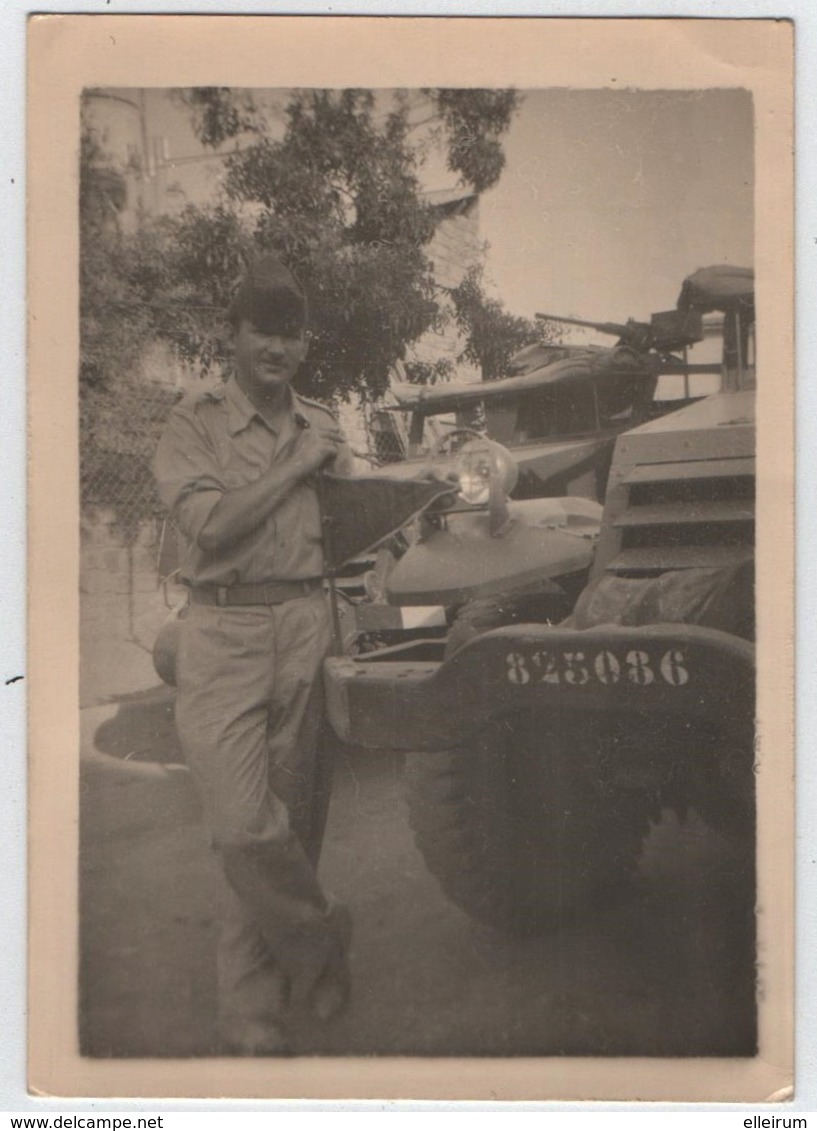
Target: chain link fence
119,433
120,429
386,444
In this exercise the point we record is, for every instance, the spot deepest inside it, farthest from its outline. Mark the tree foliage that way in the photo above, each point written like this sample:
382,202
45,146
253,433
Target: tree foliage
492,335
130,299
475,121
428,372
113,329
219,112
332,183
334,188
338,196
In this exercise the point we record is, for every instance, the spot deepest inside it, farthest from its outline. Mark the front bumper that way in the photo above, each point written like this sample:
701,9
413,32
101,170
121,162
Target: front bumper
679,671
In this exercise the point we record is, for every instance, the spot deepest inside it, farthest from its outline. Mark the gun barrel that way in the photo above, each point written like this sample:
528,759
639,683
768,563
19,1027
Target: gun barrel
602,327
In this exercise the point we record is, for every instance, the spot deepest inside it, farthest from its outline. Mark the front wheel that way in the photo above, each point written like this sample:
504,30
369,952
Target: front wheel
548,605
518,827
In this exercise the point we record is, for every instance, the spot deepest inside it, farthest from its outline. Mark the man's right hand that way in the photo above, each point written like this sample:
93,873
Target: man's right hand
317,446
241,510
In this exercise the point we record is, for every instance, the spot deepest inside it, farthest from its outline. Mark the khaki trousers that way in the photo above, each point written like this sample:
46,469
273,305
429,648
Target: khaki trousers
248,712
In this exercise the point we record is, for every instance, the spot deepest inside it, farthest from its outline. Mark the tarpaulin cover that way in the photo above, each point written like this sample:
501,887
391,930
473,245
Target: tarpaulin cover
717,288
544,353
578,365
711,598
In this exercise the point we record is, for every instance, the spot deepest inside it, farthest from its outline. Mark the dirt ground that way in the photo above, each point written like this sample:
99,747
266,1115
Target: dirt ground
669,971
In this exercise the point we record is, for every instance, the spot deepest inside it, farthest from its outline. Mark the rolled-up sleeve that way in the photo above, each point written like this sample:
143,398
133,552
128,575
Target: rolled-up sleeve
187,473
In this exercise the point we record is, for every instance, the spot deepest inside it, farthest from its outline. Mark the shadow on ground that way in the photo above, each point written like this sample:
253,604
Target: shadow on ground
667,972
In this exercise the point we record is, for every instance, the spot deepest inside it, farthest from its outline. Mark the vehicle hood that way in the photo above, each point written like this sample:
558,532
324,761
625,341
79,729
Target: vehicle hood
543,458
546,539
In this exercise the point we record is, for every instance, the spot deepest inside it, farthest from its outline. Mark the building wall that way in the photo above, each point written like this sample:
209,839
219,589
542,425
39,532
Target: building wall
455,249
122,606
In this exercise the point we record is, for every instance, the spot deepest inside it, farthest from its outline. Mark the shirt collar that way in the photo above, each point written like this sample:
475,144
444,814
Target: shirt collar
241,410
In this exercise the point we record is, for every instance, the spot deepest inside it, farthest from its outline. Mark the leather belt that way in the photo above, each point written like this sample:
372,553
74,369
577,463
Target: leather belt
268,593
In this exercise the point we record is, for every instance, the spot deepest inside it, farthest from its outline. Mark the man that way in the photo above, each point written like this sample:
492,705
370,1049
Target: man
237,468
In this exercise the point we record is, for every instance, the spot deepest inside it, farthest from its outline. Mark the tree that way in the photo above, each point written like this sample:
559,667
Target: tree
338,196
113,329
121,275
492,335
336,193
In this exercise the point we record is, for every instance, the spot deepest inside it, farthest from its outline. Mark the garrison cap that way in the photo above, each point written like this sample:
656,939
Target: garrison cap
271,298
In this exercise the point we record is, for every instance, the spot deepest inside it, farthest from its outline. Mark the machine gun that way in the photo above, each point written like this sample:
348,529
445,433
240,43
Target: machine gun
666,332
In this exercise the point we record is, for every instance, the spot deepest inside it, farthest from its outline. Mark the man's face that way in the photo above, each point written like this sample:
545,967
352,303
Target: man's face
265,362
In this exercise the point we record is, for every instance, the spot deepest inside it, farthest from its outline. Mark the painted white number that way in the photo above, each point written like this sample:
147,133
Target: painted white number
639,670
575,671
608,669
546,664
673,669
517,669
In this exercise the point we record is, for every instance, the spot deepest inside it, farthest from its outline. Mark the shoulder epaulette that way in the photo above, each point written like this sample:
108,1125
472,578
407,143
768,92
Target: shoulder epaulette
316,404
210,394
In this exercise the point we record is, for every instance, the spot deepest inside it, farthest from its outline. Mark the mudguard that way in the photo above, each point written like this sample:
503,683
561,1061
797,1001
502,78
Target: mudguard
680,671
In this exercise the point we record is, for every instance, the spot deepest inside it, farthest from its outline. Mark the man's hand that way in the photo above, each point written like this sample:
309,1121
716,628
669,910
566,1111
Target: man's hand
436,473
243,509
317,446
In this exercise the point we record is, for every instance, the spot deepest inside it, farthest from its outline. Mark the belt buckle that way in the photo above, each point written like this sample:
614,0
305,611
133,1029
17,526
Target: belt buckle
267,598
221,596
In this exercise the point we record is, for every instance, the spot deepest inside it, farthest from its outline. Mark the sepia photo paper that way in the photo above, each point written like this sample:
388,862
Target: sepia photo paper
539,276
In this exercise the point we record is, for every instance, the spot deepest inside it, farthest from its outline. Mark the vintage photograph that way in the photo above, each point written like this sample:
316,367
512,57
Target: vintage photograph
417,467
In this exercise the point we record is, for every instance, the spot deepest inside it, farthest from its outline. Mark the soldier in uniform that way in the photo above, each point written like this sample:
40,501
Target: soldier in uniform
237,469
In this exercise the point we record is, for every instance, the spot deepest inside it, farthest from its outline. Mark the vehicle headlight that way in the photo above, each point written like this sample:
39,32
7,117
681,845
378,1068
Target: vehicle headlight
478,463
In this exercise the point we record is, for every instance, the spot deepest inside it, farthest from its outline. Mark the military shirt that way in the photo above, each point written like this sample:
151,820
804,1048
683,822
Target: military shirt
216,441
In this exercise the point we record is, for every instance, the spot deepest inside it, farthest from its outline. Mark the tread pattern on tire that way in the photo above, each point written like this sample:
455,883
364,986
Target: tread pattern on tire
516,831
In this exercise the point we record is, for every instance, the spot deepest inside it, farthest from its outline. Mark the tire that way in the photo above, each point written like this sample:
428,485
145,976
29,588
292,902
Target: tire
548,606
517,829
714,774
726,800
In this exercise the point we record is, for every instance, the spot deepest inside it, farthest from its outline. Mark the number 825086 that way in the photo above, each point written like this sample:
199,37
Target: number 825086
635,666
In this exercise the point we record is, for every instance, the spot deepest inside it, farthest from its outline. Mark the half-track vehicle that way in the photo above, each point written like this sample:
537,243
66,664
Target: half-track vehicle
539,753
519,541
